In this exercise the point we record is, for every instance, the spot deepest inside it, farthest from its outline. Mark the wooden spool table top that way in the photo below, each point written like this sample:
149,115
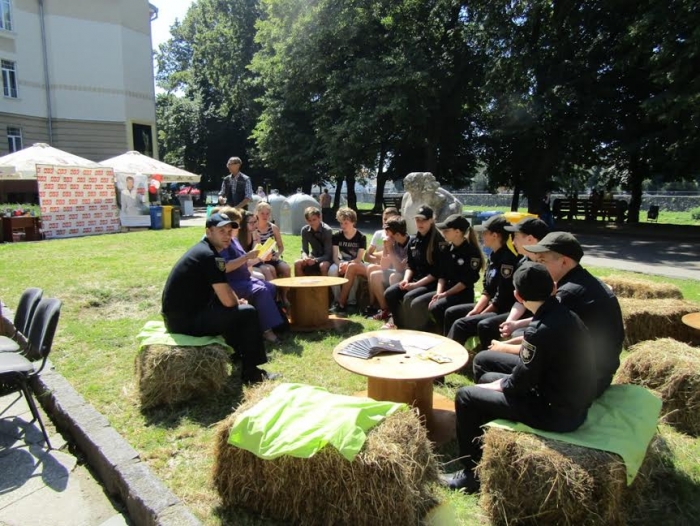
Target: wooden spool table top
692,320
309,281
408,366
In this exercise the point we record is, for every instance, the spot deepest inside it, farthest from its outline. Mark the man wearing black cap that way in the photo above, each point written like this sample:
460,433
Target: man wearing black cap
197,300
527,232
587,296
552,387
497,296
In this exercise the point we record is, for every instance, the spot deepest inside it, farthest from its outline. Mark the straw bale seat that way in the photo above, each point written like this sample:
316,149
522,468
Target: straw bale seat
625,287
167,375
672,369
527,479
388,482
658,318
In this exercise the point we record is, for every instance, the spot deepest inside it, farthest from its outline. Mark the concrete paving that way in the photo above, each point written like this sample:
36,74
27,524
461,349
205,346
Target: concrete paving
41,487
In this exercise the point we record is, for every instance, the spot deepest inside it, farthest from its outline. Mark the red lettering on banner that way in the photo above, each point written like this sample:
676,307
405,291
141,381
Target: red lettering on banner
72,217
53,194
99,229
61,202
61,171
104,222
80,223
62,186
54,209
49,186
60,232
92,207
73,231
92,194
87,230
72,201
92,180
60,217
78,194
54,179
99,187
80,180
74,171
53,226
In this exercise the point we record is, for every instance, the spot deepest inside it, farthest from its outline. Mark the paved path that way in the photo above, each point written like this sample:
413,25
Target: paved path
40,487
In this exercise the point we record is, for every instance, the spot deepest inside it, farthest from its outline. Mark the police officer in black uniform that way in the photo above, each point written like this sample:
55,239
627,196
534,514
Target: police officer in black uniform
197,300
460,263
408,309
587,296
497,297
552,387
527,231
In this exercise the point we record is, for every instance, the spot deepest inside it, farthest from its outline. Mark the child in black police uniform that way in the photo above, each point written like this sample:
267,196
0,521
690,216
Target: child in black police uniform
497,297
408,300
460,263
551,389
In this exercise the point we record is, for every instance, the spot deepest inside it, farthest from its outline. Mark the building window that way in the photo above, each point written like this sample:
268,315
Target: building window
9,79
5,15
14,139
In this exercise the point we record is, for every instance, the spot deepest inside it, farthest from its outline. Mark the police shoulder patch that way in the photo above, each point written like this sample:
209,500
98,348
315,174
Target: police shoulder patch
475,263
220,264
506,271
527,352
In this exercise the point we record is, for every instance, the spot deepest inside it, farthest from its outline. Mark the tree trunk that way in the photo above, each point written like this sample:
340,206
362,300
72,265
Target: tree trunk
638,172
338,192
381,181
515,201
352,197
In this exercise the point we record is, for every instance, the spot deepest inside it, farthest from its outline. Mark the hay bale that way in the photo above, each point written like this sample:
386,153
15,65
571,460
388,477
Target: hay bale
167,375
527,479
625,287
389,482
672,369
651,319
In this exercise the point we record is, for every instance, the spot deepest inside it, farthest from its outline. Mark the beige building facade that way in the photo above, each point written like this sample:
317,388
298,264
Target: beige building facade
77,74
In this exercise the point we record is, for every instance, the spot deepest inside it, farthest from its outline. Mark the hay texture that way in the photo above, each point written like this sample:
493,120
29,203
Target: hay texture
652,319
625,287
672,369
387,483
527,479
167,375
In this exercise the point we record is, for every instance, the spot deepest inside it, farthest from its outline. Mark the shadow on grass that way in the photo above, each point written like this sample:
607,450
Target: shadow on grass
666,495
204,411
241,517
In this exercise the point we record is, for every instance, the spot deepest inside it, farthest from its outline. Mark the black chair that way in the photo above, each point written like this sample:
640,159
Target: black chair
28,302
653,213
16,371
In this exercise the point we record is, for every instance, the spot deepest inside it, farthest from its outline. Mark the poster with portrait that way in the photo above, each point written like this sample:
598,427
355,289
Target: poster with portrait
132,199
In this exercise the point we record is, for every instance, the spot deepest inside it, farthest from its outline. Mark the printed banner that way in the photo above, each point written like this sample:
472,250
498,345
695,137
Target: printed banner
132,200
76,201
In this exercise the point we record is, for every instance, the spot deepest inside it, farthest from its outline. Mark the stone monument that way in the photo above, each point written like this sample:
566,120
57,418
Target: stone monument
422,189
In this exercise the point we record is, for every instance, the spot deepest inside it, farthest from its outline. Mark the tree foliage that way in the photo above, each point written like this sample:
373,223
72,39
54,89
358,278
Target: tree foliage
535,92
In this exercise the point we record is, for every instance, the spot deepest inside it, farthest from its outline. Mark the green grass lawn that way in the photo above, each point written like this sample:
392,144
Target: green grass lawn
111,285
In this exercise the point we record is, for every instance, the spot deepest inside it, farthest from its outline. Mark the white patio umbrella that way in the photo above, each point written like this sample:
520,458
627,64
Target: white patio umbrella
22,164
135,162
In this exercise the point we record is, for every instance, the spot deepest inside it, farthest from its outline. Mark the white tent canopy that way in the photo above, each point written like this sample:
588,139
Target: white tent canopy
22,164
135,162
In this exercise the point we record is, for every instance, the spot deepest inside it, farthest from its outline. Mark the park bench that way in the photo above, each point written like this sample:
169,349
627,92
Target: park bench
605,209
395,201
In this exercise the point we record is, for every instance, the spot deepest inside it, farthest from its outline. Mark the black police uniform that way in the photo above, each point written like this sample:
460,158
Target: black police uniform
489,328
190,305
551,389
596,305
498,285
458,264
407,308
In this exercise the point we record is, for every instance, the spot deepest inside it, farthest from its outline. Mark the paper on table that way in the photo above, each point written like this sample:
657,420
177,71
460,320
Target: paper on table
422,342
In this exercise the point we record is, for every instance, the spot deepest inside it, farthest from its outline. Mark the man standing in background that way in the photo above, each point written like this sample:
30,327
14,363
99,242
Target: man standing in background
236,189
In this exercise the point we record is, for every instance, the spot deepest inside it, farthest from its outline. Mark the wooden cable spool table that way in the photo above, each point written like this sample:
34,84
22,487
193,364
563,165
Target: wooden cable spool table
692,320
309,300
409,377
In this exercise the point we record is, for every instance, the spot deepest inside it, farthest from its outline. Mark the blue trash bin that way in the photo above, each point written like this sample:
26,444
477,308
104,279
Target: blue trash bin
156,217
